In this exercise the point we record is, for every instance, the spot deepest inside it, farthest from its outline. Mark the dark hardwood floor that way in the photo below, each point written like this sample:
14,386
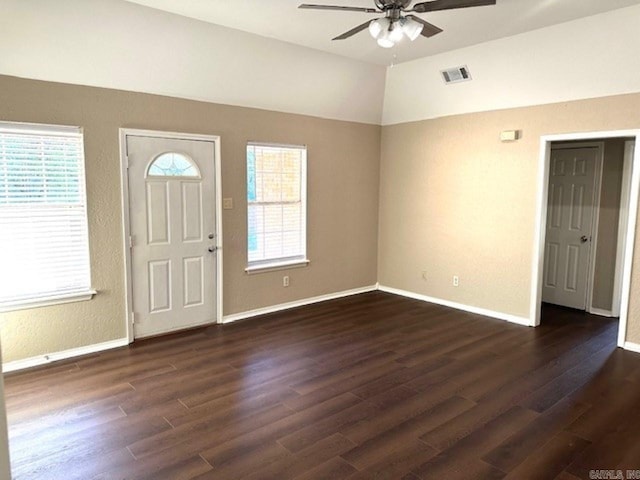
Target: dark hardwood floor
370,386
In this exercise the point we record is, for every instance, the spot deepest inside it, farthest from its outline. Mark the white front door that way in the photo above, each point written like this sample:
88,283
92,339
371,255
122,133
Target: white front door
569,225
172,224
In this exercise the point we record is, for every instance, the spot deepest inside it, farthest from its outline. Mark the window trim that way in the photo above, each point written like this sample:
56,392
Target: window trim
273,266
79,295
282,263
41,129
47,301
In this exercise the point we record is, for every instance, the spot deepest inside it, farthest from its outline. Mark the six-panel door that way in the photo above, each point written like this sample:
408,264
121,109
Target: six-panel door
569,225
172,221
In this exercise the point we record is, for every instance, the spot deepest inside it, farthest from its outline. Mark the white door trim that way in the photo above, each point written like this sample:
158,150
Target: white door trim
541,217
126,228
622,226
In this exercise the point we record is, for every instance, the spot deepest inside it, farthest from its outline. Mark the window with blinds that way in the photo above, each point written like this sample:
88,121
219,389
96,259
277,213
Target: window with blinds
276,197
44,247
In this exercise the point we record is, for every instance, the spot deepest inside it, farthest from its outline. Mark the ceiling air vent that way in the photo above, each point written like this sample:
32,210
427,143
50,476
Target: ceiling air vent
456,75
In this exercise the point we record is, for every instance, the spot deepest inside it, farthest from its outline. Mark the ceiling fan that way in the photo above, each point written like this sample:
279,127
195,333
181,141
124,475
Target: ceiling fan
395,24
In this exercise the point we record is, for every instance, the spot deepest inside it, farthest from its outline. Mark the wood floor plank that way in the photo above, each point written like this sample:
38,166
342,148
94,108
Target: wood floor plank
275,430
568,382
399,412
549,363
339,385
185,469
196,435
368,452
617,448
304,460
610,411
551,459
364,387
313,432
397,463
515,449
453,459
335,469
256,459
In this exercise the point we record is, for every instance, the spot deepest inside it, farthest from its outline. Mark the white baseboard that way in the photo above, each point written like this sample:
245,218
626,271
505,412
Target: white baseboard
600,312
63,355
459,306
298,303
632,347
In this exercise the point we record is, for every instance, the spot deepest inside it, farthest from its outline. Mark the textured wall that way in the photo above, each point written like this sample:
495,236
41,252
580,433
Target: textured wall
343,180
456,201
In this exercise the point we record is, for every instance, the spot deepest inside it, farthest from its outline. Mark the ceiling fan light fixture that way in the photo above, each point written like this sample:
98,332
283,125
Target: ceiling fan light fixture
377,27
411,28
385,43
396,32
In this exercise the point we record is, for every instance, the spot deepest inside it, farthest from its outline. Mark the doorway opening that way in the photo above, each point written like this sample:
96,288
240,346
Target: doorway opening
587,206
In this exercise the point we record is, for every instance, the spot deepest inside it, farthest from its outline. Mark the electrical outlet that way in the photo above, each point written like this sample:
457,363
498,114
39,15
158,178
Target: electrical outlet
285,281
456,281
424,275
227,203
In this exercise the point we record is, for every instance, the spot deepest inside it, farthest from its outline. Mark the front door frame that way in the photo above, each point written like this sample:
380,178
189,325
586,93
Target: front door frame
126,227
541,221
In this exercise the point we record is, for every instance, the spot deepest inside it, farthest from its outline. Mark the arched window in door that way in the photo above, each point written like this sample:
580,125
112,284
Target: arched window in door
173,164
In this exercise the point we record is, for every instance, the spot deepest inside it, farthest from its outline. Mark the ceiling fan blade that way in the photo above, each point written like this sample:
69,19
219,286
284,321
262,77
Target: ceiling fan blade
428,29
436,5
353,31
337,7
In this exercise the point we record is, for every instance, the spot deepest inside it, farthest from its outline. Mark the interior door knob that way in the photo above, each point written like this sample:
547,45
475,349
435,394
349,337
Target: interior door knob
212,249
584,239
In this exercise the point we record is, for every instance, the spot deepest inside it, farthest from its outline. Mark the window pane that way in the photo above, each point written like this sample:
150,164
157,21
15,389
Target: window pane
292,218
272,218
276,222
173,164
271,187
271,159
44,248
273,245
291,242
251,175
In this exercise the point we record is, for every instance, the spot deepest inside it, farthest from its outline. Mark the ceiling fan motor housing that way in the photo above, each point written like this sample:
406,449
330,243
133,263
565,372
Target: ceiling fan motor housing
386,4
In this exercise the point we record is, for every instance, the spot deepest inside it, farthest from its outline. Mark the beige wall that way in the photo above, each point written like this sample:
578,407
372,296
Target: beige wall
456,201
343,180
605,267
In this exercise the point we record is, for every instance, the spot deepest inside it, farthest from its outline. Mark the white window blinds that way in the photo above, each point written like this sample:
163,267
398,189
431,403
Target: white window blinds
44,251
276,197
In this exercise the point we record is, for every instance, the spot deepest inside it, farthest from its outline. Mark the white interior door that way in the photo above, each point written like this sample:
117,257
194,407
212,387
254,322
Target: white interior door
172,224
569,226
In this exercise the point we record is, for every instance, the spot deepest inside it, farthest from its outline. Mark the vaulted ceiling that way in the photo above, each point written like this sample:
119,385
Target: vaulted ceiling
281,19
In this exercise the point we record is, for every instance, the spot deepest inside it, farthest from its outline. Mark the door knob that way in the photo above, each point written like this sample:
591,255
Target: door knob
584,239
212,249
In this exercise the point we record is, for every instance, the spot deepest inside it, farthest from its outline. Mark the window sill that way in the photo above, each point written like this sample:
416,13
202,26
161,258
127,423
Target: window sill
270,267
47,301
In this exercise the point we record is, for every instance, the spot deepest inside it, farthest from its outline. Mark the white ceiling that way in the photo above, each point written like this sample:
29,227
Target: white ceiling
281,19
